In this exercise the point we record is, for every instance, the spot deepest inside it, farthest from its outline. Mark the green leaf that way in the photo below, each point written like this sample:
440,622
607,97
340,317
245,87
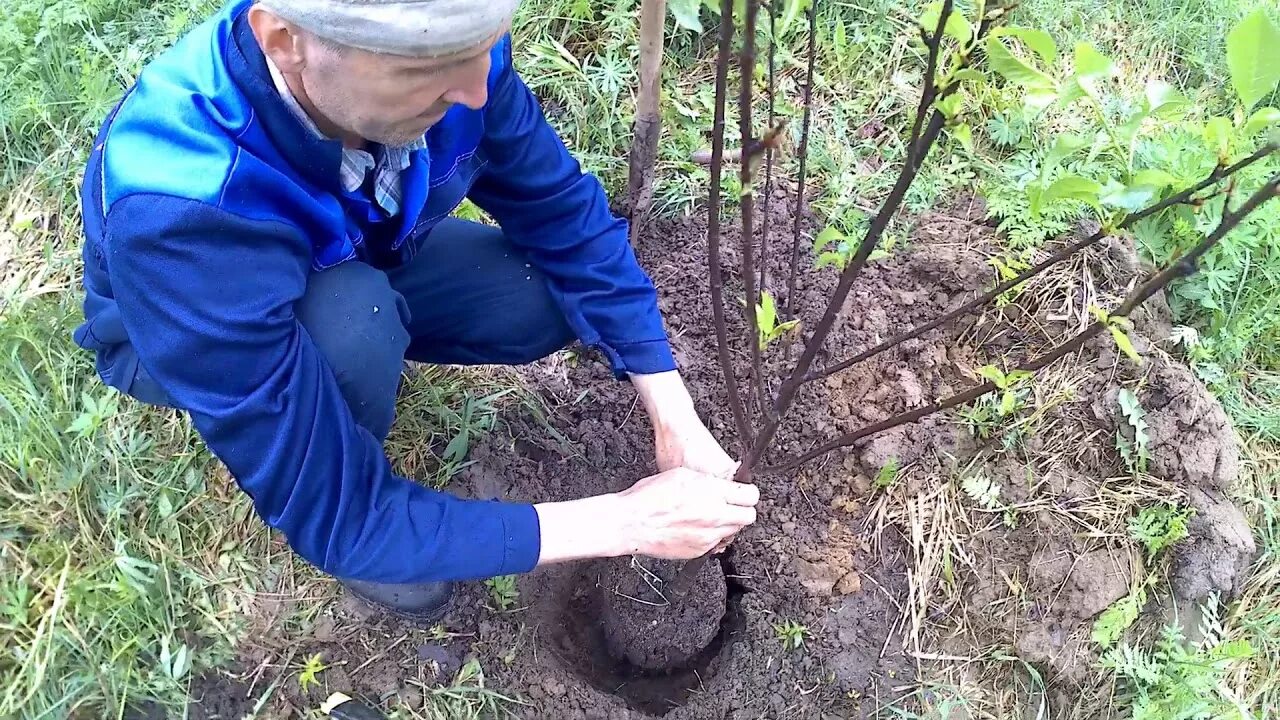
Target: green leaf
1253,55
829,235
181,663
790,12
994,374
829,259
1007,402
685,13
81,425
1038,99
887,474
1014,69
950,105
968,74
1163,98
1072,187
1158,179
1091,67
1132,197
964,135
1063,147
1125,345
1217,135
766,313
1017,376
457,447
958,26
1260,120
1113,621
1039,41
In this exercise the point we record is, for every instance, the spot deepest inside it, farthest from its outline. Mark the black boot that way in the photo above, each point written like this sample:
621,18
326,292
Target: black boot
425,603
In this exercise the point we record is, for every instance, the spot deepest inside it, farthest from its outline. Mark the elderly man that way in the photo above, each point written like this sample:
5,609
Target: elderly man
268,237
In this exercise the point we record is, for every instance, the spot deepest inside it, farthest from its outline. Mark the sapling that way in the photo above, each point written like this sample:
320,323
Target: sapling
956,51
954,47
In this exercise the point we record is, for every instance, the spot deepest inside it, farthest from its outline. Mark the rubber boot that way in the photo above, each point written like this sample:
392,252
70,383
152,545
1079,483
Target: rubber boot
425,603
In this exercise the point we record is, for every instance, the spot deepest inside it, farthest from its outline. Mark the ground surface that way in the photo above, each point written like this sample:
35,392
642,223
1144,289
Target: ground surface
885,580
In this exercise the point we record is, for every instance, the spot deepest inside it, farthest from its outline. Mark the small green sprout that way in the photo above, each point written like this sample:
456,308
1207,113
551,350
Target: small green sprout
791,634
310,671
767,321
503,592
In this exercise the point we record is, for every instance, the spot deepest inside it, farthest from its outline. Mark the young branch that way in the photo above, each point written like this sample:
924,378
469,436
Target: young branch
768,157
746,65
804,159
714,272
930,92
1219,173
910,169
1180,267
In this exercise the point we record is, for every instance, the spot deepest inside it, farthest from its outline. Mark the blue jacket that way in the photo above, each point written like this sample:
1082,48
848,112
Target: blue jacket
206,205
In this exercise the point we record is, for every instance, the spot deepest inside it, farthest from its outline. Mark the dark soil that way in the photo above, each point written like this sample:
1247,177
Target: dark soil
821,553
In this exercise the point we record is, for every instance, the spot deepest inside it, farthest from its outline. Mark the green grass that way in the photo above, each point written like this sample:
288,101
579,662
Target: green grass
129,561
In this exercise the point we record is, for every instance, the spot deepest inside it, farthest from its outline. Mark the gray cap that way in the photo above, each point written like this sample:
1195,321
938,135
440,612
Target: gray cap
415,28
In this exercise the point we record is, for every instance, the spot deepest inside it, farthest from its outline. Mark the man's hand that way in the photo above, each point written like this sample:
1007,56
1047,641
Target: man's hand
680,439
679,514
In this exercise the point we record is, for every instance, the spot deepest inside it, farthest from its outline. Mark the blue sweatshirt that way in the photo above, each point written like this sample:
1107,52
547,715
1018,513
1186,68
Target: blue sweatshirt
207,205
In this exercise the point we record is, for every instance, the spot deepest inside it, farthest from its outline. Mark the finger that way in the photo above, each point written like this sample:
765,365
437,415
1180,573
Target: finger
728,468
737,516
743,494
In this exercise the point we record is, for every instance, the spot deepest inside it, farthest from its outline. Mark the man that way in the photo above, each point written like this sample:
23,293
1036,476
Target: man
267,239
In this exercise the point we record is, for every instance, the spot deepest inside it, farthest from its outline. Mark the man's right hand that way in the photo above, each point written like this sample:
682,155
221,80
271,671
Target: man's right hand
679,514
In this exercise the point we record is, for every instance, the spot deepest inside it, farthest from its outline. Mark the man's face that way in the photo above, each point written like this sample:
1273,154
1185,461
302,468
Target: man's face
390,99
360,96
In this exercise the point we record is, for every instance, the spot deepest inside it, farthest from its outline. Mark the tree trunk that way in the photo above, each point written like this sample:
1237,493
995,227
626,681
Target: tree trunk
648,122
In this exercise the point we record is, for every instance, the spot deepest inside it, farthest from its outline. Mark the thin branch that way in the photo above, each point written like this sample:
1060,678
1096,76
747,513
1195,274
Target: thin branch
746,65
714,272
804,161
910,169
1183,266
930,77
765,220
1219,173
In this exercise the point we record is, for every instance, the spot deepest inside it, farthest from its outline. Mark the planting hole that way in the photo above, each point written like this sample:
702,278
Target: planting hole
602,638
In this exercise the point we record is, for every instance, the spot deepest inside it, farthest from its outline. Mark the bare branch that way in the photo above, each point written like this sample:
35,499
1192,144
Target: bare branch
804,159
888,209
746,65
1219,173
930,91
1183,266
765,220
714,271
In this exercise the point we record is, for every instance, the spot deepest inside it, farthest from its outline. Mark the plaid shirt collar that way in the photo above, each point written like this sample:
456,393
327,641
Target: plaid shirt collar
356,164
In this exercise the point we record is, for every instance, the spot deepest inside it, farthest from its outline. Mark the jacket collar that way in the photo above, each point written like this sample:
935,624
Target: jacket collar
318,159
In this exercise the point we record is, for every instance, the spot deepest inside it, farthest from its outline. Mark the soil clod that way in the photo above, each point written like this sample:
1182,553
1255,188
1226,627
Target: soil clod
652,627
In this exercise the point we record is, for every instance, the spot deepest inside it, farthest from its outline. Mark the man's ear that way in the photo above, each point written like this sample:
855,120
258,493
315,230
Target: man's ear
279,39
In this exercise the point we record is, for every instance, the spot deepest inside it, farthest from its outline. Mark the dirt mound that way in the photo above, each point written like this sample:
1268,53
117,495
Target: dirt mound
993,534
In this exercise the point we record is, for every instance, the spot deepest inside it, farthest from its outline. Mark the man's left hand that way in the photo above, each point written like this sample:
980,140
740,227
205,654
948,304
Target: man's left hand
680,437
687,443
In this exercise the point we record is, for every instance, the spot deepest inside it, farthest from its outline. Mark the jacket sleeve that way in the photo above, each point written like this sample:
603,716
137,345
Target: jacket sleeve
207,299
560,216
